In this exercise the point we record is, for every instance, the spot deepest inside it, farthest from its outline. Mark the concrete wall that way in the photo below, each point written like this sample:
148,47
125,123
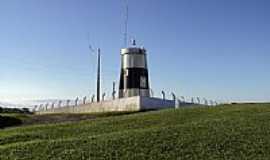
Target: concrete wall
123,104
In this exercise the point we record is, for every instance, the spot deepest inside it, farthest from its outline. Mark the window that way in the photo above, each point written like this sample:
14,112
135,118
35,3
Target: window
143,82
126,72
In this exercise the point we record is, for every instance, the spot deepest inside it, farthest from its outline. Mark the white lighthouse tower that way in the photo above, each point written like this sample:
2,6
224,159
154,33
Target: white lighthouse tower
134,79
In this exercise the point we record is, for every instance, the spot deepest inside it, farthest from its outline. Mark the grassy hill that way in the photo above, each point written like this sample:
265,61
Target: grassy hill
224,132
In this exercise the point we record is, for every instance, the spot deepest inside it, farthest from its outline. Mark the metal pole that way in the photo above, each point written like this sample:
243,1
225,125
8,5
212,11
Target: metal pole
98,76
113,94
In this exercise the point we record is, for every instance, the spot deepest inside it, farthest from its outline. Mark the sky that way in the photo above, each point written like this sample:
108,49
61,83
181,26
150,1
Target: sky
217,49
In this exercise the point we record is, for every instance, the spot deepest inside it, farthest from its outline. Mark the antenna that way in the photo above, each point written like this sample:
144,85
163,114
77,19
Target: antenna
126,25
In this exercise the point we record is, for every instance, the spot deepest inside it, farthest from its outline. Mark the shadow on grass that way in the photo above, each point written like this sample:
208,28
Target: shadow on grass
6,121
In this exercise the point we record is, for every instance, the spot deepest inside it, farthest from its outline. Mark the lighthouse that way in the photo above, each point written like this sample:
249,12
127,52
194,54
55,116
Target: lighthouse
134,79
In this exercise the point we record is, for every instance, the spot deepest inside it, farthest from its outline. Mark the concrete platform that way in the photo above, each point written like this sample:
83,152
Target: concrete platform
137,103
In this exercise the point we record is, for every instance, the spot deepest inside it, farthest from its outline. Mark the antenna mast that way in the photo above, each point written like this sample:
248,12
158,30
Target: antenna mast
126,25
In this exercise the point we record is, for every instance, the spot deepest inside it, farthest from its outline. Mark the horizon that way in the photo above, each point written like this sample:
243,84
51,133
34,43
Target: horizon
217,50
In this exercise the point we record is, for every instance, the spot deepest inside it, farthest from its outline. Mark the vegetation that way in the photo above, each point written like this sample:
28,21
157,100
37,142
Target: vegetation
6,121
14,110
240,131
13,116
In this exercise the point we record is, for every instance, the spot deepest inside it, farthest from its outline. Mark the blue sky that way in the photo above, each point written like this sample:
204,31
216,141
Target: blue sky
217,49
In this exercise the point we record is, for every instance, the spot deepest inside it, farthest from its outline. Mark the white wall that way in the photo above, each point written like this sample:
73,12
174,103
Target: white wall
123,104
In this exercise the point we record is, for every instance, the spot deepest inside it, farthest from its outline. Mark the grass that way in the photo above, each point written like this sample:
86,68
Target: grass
224,132
30,119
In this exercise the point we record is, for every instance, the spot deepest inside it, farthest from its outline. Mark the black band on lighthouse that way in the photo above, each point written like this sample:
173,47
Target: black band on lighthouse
134,78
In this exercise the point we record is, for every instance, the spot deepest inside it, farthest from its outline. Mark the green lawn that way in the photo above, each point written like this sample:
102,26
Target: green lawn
224,132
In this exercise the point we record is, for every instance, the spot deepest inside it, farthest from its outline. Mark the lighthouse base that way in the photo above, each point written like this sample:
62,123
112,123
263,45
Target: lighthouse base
138,103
